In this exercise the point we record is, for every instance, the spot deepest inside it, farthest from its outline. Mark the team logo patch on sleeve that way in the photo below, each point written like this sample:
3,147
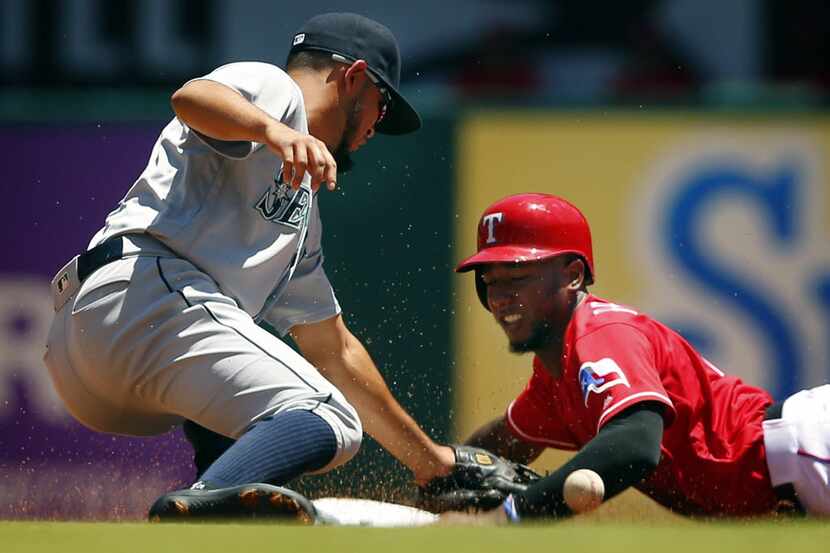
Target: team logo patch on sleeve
598,376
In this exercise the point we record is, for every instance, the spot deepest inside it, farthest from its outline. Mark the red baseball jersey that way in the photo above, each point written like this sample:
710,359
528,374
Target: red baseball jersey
712,454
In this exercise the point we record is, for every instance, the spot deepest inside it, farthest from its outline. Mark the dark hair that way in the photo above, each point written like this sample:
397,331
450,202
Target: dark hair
570,257
309,59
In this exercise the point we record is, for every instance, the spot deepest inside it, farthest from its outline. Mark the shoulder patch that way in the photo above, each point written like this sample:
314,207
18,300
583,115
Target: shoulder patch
598,376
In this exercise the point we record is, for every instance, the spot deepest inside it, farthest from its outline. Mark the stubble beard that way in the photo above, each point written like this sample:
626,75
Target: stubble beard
342,156
540,337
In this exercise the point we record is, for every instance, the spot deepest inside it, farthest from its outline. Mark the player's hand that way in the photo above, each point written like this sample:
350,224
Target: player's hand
442,464
301,153
479,480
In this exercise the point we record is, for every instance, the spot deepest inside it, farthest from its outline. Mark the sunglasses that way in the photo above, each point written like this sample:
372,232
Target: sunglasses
386,96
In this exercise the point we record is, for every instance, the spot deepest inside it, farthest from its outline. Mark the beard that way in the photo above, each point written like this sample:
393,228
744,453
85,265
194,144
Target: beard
342,156
540,336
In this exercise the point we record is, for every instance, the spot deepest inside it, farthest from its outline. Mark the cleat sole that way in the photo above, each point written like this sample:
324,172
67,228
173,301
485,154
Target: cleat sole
252,501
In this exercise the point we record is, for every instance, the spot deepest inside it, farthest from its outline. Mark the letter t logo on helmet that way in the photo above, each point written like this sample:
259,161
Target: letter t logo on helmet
490,222
530,227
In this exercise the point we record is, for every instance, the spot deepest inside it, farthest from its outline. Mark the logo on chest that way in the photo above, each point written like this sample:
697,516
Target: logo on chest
598,376
282,204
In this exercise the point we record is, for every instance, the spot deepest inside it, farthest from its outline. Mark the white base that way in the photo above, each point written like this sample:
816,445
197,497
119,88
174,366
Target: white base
338,511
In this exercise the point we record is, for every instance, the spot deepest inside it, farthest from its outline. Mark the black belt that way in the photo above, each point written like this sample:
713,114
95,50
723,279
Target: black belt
787,498
108,251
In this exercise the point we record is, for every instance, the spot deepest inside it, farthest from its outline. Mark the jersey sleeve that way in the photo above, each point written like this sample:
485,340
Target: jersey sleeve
266,86
617,370
530,418
308,297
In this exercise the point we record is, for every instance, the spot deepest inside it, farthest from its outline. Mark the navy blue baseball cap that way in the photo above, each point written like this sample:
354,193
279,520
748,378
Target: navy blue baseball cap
355,37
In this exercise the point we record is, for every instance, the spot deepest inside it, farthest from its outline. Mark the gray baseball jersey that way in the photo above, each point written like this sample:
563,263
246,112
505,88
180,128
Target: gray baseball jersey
213,242
222,205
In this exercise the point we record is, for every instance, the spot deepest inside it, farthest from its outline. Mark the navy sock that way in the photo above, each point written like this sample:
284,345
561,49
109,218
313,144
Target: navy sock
207,445
275,450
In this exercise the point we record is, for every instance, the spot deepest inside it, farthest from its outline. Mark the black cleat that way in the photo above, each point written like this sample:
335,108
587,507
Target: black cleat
248,501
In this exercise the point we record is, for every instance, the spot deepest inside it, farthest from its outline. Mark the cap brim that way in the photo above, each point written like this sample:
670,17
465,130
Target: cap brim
401,117
505,254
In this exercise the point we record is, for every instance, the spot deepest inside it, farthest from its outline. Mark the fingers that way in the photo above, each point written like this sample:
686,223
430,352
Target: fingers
316,166
302,154
300,165
287,165
329,169
322,167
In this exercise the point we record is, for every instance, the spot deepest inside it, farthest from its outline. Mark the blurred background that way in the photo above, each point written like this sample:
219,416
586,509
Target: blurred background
694,134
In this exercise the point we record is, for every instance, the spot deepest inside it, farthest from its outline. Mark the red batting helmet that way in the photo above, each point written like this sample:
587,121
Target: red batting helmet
530,227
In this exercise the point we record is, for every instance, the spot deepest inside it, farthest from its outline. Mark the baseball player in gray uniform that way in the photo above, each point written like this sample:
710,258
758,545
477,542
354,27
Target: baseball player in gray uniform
157,323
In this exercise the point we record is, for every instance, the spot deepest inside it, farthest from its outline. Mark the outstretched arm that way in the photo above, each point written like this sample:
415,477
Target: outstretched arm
496,436
625,451
343,360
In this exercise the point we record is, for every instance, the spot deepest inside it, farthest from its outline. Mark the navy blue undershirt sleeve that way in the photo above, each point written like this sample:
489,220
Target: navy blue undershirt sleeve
625,451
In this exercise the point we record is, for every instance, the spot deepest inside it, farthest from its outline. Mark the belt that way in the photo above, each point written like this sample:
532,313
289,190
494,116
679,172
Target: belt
119,247
788,502
105,252
68,280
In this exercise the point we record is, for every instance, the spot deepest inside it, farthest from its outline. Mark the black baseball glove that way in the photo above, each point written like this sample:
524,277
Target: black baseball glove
479,481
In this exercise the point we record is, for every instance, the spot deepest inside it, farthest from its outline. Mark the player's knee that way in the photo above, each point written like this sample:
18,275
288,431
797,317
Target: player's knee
351,445
348,444
351,432
348,430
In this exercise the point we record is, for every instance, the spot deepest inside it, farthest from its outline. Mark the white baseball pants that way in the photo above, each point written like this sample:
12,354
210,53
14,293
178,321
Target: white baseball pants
149,341
798,448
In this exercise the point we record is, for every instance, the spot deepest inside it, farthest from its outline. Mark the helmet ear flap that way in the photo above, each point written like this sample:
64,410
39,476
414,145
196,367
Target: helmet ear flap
481,289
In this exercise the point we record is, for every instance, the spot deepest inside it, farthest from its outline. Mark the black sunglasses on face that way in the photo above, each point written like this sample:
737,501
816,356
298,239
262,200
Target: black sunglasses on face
386,96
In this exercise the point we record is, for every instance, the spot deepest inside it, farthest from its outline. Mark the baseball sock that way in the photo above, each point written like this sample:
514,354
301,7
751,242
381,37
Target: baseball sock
275,450
207,445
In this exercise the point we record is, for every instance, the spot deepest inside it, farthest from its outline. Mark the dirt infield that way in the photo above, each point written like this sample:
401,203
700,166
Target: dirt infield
98,492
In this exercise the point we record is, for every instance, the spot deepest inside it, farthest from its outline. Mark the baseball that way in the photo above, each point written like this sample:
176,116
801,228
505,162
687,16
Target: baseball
583,490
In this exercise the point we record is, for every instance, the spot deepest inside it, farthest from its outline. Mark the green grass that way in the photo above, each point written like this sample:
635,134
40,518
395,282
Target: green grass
629,523
588,536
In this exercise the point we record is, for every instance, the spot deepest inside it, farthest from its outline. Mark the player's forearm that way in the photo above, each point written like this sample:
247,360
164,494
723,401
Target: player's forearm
625,451
220,112
355,374
496,437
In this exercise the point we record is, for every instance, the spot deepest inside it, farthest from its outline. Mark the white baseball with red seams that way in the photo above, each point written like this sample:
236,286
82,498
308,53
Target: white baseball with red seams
583,490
